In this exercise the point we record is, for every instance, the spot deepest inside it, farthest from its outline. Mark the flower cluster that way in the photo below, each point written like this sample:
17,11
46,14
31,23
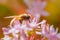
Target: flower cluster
31,30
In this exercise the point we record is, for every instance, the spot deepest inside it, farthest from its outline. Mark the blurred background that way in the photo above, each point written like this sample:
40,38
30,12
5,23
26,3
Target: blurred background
16,7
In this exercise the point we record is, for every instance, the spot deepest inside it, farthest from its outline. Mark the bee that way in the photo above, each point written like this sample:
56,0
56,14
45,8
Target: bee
19,17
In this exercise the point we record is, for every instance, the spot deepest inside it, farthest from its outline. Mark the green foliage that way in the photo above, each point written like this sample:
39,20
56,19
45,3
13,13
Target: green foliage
5,11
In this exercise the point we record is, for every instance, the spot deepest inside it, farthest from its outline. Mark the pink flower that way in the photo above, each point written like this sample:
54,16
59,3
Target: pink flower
6,38
36,8
5,32
50,32
46,31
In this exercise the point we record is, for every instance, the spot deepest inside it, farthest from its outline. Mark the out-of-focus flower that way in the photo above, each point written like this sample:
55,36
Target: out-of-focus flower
6,36
46,32
5,31
36,8
50,32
